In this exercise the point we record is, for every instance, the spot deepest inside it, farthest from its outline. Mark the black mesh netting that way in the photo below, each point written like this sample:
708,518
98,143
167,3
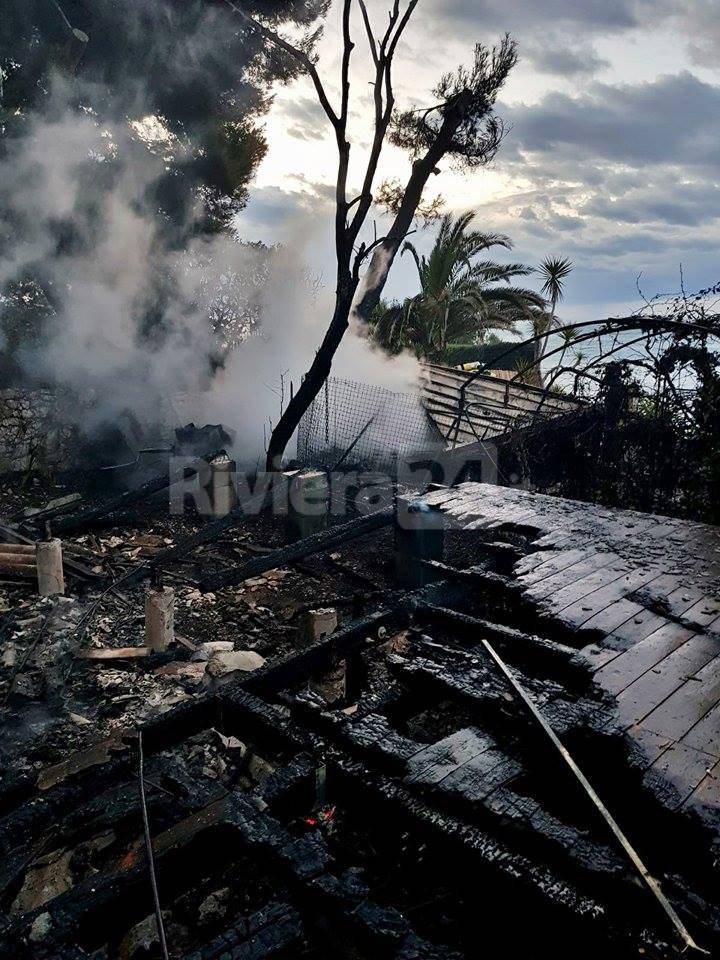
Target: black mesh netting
353,424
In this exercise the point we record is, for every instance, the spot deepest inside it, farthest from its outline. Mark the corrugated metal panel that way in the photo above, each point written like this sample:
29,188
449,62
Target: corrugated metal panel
493,407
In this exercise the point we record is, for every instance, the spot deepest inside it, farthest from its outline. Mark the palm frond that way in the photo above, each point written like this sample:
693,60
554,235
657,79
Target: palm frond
554,271
461,296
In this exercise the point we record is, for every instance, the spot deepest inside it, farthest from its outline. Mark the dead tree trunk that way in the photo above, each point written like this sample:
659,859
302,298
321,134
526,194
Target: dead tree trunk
370,287
312,382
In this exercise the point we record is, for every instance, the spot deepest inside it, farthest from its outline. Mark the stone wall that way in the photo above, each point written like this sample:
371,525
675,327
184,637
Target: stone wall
31,437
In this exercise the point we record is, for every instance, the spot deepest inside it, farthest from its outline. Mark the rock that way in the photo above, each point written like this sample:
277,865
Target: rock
40,927
190,671
206,650
214,907
233,661
45,879
231,743
140,939
80,720
9,654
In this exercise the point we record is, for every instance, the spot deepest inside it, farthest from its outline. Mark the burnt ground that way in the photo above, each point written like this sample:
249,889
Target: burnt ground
46,714
376,792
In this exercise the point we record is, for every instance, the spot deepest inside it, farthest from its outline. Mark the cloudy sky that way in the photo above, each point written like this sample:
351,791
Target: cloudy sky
613,158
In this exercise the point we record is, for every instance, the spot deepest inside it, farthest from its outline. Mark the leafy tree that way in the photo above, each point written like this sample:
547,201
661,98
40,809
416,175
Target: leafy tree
461,297
173,91
187,65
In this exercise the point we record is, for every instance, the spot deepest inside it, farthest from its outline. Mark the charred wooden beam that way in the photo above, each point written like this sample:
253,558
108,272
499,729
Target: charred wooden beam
11,535
18,559
90,515
318,543
529,646
321,655
473,575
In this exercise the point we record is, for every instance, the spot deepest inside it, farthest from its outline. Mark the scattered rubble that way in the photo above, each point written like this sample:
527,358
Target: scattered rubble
328,757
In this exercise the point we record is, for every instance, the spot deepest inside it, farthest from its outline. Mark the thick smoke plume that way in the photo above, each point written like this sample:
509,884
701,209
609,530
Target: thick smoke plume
131,324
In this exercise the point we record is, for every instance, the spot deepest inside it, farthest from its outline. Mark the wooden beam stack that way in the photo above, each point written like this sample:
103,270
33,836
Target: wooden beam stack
18,559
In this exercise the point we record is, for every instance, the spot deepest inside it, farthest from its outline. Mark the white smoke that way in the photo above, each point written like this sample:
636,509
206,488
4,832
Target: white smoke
64,176
254,387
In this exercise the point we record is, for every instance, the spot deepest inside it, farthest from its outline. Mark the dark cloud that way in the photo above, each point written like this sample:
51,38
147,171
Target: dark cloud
547,31
274,208
671,120
522,15
564,60
623,173
700,21
678,204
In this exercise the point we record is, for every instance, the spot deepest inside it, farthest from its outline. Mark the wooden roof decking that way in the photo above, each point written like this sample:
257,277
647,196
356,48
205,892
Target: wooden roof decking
646,591
497,405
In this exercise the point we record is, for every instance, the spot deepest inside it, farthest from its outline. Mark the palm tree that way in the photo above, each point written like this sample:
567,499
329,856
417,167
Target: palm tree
460,296
553,271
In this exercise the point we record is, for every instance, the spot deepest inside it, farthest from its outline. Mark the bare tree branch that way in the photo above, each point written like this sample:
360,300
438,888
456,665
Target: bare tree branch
365,251
384,100
348,47
295,52
368,30
401,29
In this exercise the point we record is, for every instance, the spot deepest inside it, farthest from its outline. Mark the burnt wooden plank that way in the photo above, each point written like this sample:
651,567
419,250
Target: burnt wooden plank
643,656
509,516
668,597
602,599
640,626
595,656
677,772
705,735
535,560
705,799
558,600
641,621
480,776
647,746
479,524
570,575
437,498
648,692
703,613
558,539
693,699
437,760
615,615
548,563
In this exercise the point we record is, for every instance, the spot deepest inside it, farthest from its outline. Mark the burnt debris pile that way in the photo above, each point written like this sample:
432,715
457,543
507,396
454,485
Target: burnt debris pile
320,757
